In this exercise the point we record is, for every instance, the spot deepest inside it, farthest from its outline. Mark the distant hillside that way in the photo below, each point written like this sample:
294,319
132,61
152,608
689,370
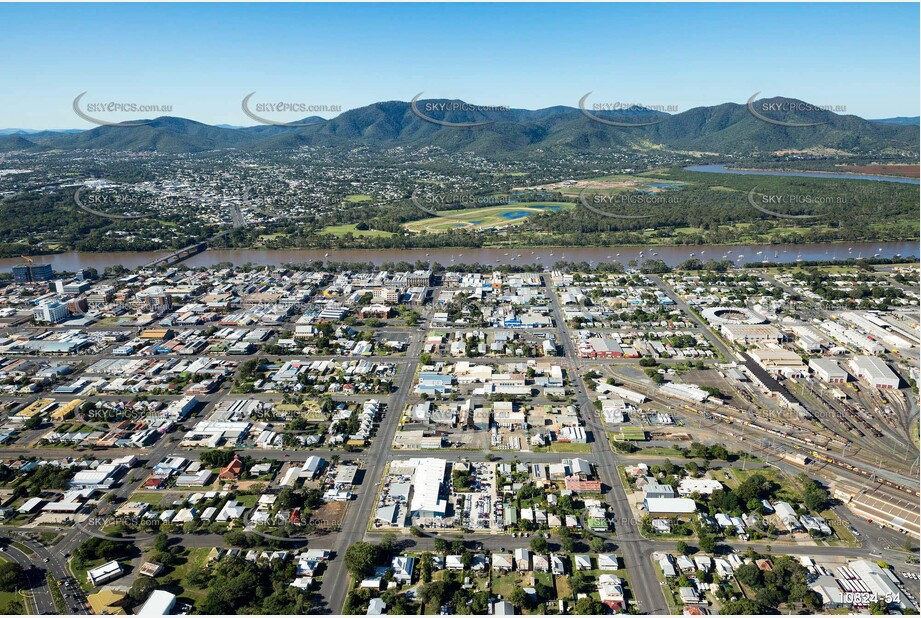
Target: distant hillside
33,131
902,120
725,128
12,143
165,134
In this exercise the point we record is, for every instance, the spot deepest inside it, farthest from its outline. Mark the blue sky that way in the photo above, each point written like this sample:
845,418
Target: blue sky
202,59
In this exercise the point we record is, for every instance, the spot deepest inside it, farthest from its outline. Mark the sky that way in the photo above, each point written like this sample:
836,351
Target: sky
202,59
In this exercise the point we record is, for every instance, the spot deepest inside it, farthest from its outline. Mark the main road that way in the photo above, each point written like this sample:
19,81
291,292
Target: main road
336,579
644,583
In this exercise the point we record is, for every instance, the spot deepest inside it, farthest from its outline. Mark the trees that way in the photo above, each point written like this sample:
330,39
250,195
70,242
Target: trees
588,606
579,583
568,544
815,497
387,544
216,458
520,598
360,559
161,543
682,548
539,544
708,543
10,576
142,588
434,593
425,567
596,544
750,575
745,607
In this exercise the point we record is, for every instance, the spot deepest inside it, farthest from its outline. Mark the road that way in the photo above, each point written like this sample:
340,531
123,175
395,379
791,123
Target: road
643,581
687,311
335,584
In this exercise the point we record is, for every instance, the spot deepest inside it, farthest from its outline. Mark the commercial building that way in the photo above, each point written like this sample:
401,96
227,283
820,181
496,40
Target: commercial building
874,371
669,506
32,273
828,370
159,603
704,487
780,361
878,581
428,487
751,333
50,311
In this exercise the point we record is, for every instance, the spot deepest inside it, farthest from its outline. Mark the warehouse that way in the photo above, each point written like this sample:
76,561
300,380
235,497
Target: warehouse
874,371
669,506
428,482
779,361
750,333
599,347
828,370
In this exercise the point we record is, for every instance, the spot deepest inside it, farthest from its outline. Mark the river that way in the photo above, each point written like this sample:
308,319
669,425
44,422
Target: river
722,169
72,260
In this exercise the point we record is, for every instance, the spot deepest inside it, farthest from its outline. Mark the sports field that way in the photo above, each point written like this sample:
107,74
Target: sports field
341,230
482,218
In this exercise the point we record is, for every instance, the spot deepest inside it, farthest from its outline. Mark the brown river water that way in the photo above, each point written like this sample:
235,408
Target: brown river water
72,260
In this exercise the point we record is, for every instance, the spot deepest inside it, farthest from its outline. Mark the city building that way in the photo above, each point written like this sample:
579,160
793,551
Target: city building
32,273
50,311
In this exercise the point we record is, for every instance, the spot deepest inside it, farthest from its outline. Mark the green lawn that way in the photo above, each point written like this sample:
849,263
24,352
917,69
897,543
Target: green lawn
247,500
341,230
8,597
659,451
193,560
483,218
357,198
147,497
564,447
505,584
788,487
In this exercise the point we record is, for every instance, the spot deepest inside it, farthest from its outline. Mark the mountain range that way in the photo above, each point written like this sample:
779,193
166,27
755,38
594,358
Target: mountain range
724,129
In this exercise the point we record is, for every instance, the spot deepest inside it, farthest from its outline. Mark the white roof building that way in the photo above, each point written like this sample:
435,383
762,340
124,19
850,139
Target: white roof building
828,370
678,506
428,479
104,573
159,603
874,371
704,487
878,581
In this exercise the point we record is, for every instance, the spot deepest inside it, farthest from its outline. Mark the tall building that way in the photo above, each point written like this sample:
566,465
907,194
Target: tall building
50,311
31,273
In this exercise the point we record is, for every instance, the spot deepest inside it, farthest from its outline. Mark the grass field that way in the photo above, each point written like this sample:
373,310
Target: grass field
354,199
341,230
483,218
564,447
147,497
634,434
